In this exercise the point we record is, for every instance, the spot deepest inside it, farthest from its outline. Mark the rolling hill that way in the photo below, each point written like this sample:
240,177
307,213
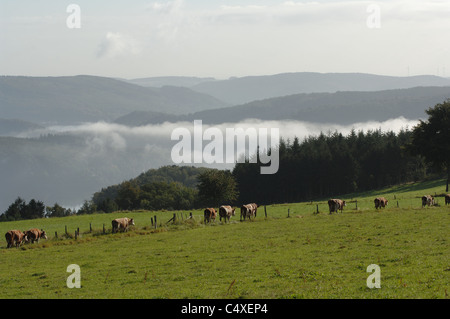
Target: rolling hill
75,99
336,108
246,89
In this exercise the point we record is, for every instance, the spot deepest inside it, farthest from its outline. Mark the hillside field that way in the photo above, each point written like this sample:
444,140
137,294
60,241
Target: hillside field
305,255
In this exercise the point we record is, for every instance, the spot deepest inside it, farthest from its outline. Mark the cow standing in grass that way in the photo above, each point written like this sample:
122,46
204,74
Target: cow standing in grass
15,238
335,205
427,200
255,208
380,202
247,211
209,215
447,199
226,212
122,224
35,234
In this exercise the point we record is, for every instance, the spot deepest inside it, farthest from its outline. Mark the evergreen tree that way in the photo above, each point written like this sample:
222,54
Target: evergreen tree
431,138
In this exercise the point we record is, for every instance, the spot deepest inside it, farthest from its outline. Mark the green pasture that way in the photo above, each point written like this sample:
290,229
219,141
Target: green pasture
305,255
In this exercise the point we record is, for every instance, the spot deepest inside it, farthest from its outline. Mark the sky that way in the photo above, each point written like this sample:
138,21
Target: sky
221,39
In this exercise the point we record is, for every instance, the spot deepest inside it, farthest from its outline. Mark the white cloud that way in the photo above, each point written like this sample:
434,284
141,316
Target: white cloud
118,137
116,44
169,18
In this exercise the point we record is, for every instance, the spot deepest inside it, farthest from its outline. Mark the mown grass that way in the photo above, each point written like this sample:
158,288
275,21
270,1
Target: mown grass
304,256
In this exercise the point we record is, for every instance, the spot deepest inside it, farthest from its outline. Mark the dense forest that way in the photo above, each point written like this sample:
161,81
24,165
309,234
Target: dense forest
329,165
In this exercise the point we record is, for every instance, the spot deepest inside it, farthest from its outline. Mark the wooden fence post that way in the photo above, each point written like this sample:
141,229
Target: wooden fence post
317,208
156,224
90,227
56,234
66,229
265,211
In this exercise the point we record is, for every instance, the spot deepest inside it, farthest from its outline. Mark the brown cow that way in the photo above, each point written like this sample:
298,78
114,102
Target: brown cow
427,200
247,211
121,224
209,215
226,212
15,237
447,199
336,204
255,208
380,202
35,234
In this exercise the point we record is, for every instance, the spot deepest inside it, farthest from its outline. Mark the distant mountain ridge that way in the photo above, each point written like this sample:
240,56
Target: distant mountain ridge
247,89
74,99
160,81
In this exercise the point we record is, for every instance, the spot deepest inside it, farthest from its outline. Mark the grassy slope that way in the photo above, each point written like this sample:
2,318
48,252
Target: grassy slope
304,256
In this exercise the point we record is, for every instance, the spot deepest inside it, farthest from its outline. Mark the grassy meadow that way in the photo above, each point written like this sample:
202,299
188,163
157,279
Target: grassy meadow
305,255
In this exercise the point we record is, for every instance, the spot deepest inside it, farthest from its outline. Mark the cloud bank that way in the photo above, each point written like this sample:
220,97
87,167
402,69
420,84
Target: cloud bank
154,141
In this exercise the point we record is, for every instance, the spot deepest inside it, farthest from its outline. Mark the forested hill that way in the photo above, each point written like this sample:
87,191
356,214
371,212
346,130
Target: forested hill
330,165
337,108
163,188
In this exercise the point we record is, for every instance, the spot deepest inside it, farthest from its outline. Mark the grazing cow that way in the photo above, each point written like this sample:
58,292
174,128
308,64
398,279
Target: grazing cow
209,215
247,211
380,202
447,199
427,200
15,238
121,224
35,234
226,212
336,204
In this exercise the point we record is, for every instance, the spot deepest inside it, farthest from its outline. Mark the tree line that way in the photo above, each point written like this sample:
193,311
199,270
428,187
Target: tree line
20,209
332,164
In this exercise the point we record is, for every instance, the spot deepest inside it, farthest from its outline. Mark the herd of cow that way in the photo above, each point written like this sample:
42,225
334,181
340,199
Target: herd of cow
381,202
226,211
17,237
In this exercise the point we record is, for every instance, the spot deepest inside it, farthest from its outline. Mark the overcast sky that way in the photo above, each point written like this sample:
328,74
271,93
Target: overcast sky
133,39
